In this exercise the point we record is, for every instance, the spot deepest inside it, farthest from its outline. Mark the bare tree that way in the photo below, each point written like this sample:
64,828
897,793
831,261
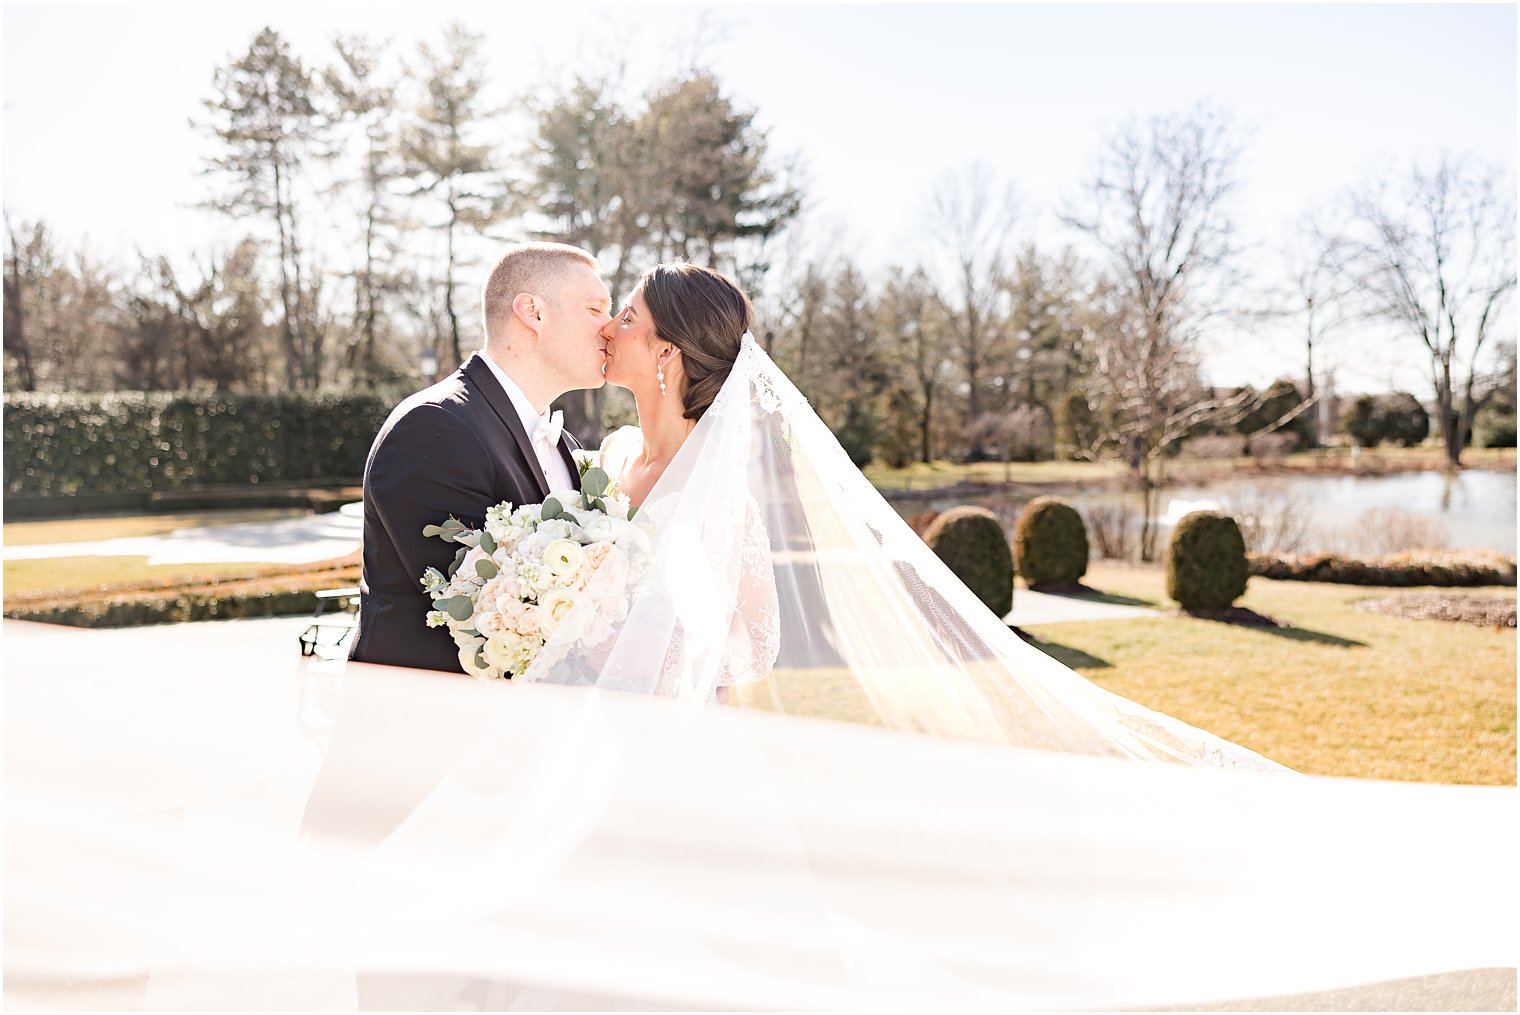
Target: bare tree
1156,208
913,325
1434,253
456,172
364,90
22,245
264,112
1316,294
971,220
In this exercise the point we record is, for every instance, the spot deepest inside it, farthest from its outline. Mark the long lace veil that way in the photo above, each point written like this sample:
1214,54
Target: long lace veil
778,562
225,829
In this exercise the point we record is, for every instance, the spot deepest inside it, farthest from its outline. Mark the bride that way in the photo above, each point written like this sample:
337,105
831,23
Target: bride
778,562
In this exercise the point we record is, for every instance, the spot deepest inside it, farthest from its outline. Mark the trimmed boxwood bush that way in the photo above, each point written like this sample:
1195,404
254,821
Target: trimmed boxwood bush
1206,565
970,541
1050,543
68,445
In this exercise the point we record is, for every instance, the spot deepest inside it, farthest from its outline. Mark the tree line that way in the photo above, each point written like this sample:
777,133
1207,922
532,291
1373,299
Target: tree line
991,342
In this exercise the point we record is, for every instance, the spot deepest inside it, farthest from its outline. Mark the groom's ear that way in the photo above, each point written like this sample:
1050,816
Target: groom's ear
528,309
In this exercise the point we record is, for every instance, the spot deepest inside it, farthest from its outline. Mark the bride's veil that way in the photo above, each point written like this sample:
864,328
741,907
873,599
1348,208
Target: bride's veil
778,563
207,830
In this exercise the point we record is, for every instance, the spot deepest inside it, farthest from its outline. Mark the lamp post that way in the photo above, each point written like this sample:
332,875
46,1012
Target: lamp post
429,365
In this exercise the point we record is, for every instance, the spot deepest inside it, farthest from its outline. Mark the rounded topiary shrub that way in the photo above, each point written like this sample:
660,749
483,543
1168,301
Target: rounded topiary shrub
1050,543
1206,565
970,541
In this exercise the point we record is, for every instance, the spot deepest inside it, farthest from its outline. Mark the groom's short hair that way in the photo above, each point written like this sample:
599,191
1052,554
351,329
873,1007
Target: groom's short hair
526,268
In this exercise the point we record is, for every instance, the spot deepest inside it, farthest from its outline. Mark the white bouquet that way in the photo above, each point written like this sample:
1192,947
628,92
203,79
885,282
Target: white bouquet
540,579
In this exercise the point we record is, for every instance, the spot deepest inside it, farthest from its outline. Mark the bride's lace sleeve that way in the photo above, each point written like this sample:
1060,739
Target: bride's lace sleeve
754,637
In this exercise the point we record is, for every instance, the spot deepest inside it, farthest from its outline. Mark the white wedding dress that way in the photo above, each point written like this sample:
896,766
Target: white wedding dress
212,833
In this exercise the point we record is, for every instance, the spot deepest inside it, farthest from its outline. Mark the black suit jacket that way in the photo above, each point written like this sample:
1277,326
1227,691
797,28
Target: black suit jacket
455,448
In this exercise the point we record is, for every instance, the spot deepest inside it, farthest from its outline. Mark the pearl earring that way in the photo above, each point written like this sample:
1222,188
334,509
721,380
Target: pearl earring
659,375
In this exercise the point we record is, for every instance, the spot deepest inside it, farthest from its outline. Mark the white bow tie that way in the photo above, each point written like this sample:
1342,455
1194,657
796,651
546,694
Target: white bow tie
549,429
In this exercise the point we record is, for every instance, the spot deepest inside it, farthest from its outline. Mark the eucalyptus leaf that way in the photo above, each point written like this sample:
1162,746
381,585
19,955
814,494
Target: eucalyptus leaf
600,505
487,569
552,509
480,657
594,482
633,509
487,542
458,559
432,530
460,608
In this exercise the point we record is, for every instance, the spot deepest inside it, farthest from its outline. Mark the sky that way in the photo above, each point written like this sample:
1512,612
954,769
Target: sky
877,102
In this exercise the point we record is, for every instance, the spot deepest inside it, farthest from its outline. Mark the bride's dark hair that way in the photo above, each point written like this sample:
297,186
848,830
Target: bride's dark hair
705,315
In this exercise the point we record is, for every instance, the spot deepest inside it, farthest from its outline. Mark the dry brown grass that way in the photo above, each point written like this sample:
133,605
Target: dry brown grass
80,530
1338,692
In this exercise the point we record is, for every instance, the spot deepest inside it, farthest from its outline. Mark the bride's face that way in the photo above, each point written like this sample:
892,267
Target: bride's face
634,353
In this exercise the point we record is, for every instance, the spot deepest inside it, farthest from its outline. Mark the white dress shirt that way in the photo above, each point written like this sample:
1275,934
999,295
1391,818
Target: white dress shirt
549,459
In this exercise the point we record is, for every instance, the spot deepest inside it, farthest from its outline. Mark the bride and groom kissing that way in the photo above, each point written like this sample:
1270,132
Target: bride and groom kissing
484,434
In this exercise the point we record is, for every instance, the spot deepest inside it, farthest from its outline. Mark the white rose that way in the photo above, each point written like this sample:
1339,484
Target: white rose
527,621
563,558
632,539
504,651
598,528
610,577
467,660
558,528
467,566
617,504
490,622
556,606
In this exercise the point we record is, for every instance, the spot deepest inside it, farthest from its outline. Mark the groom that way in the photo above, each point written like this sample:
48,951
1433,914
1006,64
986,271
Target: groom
480,436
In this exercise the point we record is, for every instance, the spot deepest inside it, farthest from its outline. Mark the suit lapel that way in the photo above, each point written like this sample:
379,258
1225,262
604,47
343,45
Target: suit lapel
567,442
481,379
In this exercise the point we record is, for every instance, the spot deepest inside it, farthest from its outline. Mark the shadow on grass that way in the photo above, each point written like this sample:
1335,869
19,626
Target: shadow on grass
1115,600
1249,619
1087,594
1065,654
1319,637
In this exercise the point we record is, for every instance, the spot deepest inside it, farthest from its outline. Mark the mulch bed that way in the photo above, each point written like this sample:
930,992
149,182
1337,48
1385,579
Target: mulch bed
1485,611
1232,615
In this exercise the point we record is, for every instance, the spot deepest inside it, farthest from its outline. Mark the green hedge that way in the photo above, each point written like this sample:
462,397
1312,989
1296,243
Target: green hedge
170,609
1050,543
1397,571
970,541
1206,562
71,445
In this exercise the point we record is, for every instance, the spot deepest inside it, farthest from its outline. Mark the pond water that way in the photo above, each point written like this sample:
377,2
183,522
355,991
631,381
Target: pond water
1472,509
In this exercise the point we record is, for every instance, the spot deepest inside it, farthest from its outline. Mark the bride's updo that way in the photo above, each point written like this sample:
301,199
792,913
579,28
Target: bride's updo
704,315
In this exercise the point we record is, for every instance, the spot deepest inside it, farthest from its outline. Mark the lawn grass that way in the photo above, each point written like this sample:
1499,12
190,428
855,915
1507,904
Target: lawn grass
84,530
65,575
1341,692
931,475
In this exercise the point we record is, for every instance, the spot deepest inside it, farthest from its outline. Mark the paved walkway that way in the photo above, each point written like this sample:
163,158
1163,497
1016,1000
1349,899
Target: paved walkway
289,541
